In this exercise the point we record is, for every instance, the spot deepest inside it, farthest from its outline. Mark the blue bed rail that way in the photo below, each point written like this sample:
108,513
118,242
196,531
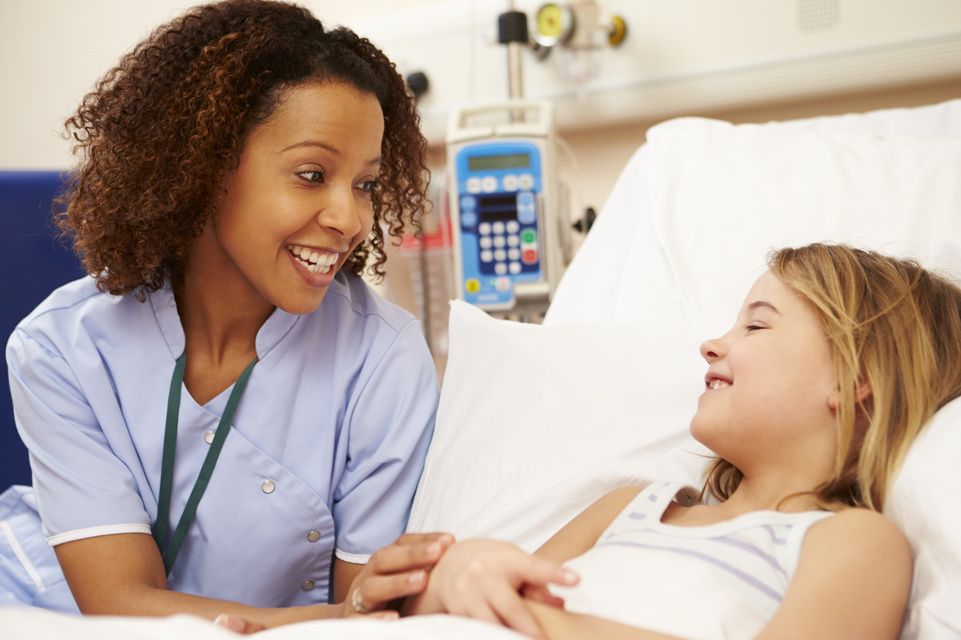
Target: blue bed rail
33,262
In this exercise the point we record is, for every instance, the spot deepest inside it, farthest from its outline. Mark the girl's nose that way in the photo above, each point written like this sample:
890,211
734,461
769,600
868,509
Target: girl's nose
711,350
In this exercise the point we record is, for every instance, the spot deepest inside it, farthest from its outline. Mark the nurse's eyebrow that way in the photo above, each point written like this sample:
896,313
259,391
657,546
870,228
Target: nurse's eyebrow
323,145
763,303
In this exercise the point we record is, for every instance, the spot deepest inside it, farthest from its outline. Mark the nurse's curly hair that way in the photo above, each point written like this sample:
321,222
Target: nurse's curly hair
161,130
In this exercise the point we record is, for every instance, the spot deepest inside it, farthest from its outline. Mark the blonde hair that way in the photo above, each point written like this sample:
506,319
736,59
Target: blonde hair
890,324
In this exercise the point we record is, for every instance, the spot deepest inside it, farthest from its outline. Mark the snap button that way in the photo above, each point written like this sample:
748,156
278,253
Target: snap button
307,585
313,536
209,437
267,486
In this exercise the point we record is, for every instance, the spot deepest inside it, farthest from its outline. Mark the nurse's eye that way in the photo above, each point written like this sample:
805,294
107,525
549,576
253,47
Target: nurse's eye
368,186
312,175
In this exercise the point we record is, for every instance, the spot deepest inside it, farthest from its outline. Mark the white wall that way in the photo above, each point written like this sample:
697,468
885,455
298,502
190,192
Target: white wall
681,56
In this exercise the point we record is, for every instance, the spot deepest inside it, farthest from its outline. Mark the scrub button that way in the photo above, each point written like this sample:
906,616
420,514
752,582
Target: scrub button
313,536
267,486
209,437
307,585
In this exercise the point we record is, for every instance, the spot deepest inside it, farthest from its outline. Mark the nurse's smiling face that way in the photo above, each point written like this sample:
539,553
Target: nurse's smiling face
300,199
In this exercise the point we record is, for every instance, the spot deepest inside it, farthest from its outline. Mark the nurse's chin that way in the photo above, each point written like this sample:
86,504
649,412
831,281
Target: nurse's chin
300,305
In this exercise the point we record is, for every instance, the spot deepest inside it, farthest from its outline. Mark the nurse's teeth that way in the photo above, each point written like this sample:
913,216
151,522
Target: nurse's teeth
315,261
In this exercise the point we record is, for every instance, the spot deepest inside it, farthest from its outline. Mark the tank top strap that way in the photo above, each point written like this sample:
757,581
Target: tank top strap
647,507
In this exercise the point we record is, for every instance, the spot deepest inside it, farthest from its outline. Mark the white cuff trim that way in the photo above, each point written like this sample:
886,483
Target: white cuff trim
18,551
93,532
353,558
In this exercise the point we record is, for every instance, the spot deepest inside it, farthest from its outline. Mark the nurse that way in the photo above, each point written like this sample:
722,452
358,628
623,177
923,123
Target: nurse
224,418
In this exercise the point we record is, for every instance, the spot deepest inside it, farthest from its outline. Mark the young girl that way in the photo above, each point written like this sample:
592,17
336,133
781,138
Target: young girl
838,358
224,417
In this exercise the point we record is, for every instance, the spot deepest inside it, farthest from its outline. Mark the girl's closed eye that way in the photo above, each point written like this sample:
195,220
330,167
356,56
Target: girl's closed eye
754,326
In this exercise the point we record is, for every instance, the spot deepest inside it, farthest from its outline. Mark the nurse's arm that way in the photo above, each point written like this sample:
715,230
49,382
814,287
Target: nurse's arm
123,574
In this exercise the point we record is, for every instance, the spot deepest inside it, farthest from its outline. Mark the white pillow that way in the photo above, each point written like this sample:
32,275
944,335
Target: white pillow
925,501
537,422
624,251
722,196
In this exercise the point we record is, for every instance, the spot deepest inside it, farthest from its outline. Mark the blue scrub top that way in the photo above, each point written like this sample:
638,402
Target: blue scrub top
323,457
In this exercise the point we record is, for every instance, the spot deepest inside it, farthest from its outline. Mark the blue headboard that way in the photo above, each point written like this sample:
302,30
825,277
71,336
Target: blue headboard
33,263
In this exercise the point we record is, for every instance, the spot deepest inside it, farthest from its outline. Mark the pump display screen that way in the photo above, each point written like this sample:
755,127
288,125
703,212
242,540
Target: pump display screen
511,161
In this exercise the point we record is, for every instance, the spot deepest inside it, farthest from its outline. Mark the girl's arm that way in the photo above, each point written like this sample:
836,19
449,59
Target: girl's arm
483,579
557,624
852,581
123,574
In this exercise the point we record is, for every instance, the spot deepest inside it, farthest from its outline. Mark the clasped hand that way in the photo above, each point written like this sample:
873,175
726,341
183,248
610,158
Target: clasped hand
395,572
488,580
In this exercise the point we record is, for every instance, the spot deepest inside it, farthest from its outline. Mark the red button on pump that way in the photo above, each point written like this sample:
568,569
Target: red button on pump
529,256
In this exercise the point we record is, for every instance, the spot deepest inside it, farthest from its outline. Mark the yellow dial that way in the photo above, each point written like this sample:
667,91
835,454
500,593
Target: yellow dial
553,23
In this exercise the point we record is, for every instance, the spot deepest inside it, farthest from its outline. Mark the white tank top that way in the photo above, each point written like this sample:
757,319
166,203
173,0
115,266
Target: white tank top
724,580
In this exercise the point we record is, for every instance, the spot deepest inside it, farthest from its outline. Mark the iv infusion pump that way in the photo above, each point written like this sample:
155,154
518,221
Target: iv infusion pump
504,196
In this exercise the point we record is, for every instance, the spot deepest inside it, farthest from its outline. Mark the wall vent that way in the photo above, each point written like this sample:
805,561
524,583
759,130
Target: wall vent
818,15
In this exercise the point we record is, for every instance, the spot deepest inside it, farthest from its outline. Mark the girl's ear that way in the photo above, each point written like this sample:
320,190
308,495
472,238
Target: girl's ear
834,399
862,393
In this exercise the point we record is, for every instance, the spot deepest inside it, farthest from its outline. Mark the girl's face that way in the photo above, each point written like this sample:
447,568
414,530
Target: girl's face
770,388
300,200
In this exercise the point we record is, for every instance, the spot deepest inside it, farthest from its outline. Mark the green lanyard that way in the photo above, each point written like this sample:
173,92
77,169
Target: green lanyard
161,529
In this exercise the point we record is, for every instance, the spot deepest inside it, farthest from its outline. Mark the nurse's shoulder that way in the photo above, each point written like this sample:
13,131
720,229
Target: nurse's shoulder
77,315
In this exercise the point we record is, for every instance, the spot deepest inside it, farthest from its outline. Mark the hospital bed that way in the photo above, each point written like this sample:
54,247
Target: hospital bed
537,421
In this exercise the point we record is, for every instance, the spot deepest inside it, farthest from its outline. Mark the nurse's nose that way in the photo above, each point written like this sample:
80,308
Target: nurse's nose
342,213
712,349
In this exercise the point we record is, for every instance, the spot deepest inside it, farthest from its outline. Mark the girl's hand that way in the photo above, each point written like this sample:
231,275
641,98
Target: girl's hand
393,572
484,579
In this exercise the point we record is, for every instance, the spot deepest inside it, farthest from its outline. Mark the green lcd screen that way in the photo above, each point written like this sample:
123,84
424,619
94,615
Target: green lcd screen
510,161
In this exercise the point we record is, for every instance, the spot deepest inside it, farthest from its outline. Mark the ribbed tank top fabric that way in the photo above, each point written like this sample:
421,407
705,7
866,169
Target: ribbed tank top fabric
724,580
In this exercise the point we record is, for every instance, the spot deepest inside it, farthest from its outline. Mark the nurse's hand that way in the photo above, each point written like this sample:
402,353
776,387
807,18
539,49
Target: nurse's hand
395,572
238,624
487,580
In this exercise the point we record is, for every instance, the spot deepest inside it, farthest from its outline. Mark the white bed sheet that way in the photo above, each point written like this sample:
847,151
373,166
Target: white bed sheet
23,623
